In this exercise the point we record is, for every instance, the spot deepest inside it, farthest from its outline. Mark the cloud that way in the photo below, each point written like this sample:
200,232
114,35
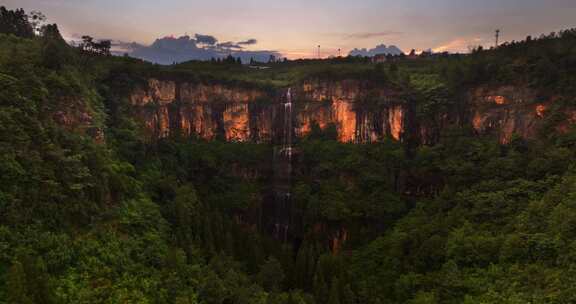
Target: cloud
459,45
122,47
229,45
379,49
169,49
248,42
367,35
205,39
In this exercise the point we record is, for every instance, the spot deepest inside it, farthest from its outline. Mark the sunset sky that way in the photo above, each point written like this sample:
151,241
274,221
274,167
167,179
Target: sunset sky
295,27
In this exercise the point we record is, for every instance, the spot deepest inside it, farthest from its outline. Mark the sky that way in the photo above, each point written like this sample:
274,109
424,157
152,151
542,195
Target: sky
295,28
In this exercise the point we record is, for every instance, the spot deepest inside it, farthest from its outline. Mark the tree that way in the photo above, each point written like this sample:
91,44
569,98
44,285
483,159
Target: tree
393,69
320,288
315,130
91,47
183,216
55,51
229,245
37,20
17,285
303,272
271,275
230,59
348,296
212,288
15,22
276,298
87,44
207,235
103,47
334,297
38,280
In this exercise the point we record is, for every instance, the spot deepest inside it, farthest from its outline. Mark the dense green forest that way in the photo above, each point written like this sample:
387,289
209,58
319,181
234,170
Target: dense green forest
97,214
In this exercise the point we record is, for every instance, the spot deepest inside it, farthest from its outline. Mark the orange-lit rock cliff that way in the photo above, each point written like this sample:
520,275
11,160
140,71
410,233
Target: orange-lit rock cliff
359,111
344,104
507,110
240,114
205,111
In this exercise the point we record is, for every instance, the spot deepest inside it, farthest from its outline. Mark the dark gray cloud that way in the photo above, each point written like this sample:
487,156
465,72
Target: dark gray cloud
168,50
171,49
205,39
229,45
248,42
367,35
379,49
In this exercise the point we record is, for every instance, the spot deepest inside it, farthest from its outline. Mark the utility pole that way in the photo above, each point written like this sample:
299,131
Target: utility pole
497,36
339,53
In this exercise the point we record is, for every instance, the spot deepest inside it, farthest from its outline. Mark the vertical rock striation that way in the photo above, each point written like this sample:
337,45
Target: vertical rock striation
360,111
506,111
196,110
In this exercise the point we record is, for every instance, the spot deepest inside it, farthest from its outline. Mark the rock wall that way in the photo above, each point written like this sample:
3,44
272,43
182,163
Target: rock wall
205,111
239,114
75,115
349,105
507,110
361,113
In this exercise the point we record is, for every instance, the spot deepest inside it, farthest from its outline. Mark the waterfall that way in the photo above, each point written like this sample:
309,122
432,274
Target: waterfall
287,141
283,171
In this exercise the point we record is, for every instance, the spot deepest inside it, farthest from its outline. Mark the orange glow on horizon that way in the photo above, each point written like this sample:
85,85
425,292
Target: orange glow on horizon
313,53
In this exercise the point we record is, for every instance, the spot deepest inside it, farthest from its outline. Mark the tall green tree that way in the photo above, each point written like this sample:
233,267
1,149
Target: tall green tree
334,297
15,22
17,285
271,275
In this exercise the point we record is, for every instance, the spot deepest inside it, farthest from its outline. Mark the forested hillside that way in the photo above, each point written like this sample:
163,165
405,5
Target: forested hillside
95,210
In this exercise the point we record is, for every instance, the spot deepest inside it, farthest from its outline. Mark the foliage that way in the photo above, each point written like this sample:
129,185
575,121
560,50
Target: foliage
119,219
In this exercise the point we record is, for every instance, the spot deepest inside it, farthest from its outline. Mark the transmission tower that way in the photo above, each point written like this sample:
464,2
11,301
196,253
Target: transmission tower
497,36
318,51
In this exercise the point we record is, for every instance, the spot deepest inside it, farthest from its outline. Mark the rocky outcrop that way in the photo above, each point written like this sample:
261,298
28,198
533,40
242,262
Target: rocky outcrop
506,111
74,115
240,114
199,110
360,112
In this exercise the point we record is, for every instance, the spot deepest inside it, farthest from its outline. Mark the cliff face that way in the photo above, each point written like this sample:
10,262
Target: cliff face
349,106
361,113
239,114
206,111
507,110
74,115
